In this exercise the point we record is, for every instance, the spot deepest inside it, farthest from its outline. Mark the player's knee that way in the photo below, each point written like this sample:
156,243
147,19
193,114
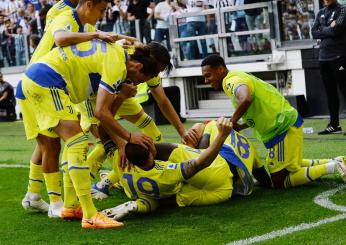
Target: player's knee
278,178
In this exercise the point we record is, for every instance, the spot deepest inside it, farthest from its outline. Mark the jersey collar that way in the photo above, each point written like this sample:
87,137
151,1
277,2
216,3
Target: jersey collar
75,16
68,3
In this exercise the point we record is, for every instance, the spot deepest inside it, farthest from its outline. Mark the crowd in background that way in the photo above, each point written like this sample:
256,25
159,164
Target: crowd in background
22,24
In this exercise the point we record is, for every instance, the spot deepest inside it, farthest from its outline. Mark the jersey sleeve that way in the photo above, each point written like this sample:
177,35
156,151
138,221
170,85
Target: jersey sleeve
154,82
113,68
60,24
232,84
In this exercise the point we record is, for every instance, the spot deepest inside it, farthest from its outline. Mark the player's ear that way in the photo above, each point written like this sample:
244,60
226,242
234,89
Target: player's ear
138,66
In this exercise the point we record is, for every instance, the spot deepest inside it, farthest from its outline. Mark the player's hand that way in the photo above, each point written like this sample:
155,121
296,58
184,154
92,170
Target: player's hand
190,138
108,37
224,126
128,90
333,23
141,139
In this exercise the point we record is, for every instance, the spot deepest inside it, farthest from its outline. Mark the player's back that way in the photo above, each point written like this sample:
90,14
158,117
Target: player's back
217,175
80,69
163,180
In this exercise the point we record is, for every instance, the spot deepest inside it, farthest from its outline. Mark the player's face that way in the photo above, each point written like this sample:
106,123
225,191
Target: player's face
95,12
329,2
134,74
212,76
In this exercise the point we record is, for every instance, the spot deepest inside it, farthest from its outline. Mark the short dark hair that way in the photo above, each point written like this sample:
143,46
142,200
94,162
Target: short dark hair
213,60
161,54
136,154
150,64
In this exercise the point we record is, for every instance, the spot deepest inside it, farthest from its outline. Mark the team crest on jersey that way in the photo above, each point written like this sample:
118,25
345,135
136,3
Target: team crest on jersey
250,122
172,166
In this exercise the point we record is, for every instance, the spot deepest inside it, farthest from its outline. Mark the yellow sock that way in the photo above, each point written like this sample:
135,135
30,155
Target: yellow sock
313,162
306,175
146,205
96,157
70,196
53,184
79,172
35,178
147,125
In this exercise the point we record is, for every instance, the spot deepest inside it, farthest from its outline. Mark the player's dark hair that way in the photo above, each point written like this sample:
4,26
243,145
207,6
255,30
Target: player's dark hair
136,154
213,60
162,56
150,64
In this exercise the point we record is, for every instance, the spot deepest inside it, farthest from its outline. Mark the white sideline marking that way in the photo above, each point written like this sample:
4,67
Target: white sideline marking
322,200
14,166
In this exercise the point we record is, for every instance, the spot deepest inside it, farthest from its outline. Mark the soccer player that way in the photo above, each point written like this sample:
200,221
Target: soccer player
70,27
194,177
61,78
240,154
274,121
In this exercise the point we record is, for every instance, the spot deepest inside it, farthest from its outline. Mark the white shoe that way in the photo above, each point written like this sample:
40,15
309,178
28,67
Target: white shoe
121,211
33,201
55,209
341,159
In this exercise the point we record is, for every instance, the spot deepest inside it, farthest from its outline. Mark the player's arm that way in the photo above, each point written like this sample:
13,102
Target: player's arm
169,112
244,98
103,112
193,166
64,38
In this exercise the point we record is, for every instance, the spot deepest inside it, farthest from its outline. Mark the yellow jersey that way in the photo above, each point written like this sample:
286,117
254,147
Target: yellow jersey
58,8
68,21
81,69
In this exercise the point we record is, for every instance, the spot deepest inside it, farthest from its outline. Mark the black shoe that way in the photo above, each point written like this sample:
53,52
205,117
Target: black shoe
330,130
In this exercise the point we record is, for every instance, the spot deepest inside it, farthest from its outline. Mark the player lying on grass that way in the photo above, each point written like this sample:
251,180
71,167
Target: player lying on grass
60,79
192,176
274,121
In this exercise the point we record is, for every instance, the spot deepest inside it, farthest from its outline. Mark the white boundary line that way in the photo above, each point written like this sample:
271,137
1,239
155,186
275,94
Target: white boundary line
14,166
322,200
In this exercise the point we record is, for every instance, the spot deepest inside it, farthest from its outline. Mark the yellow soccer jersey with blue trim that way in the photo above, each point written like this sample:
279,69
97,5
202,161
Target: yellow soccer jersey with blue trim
242,149
216,176
81,69
58,8
162,181
68,21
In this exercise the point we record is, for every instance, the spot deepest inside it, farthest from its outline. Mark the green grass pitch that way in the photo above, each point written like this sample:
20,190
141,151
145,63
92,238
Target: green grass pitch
239,218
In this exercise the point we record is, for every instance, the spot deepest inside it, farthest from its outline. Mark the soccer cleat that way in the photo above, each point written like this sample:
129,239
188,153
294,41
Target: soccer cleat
340,170
100,221
330,130
122,210
34,203
72,213
99,193
55,209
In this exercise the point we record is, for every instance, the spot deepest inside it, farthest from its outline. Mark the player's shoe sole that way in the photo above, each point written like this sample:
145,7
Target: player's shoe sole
38,205
70,213
100,221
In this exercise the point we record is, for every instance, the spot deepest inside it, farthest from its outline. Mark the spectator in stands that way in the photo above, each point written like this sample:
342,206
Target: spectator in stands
140,10
163,11
196,26
37,25
31,11
7,98
7,44
23,21
120,17
330,27
19,43
44,4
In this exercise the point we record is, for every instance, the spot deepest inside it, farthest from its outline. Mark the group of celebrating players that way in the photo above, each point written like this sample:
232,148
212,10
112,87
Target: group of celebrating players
80,80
